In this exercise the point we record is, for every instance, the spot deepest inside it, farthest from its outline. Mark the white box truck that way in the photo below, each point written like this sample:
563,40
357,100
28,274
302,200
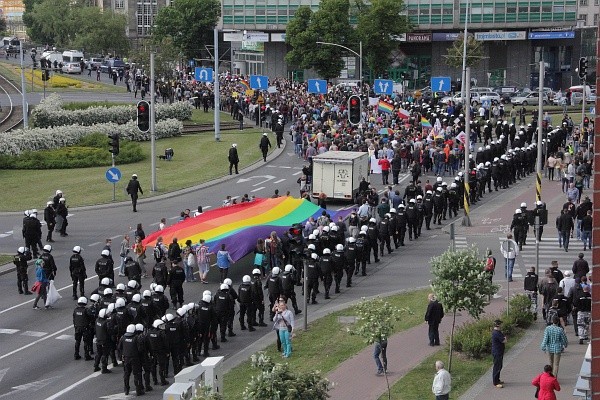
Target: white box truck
337,174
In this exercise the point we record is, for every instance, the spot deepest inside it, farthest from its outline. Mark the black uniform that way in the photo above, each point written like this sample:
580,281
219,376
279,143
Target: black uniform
81,321
175,282
105,268
312,272
339,265
372,237
350,256
288,282
273,284
234,160
20,261
161,304
133,271
104,332
133,187
258,301
50,218
160,273
78,274
246,306
223,302
32,233
207,318
362,253
131,349
159,348
326,264
384,236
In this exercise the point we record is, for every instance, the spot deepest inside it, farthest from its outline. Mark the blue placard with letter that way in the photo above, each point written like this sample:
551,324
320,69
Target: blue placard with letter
440,84
383,86
203,74
317,86
260,82
113,175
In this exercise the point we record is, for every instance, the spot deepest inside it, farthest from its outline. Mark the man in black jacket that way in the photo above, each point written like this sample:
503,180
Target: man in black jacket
265,145
50,218
234,159
433,317
78,272
133,187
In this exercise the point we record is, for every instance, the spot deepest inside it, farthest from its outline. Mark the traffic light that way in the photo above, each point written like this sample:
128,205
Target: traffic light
583,65
354,109
45,75
143,116
113,143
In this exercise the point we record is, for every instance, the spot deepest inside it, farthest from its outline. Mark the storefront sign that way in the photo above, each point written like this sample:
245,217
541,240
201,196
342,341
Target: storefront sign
487,36
552,35
445,36
418,37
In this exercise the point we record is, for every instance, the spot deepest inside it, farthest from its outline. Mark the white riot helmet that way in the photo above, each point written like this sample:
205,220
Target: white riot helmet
147,293
288,268
325,229
82,301
130,328
276,271
312,237
132,284
139,328
339,247
48,248
326,251
311,247
121,287
105,281
157,323
224,286
105,252
228,282
524,205
314,256
207,292
181,311
351,239
120,302
77,249
95,297
136,298
159,289
102,313
169,317
247,278
206,298
21,250
256,271
107,291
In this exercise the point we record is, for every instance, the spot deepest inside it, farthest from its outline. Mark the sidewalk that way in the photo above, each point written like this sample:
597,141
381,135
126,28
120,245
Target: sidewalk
524,361
355,378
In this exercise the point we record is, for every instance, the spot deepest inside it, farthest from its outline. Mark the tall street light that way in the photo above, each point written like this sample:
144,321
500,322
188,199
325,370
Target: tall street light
359,55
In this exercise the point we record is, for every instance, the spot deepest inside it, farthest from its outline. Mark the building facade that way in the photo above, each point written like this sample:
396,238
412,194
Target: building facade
12,11
516,35
140,15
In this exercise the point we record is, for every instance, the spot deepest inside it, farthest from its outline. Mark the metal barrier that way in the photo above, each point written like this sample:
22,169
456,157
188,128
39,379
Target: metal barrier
190,381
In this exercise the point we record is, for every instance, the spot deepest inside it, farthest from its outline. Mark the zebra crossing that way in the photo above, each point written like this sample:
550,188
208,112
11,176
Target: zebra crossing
549,251
460,243
33,334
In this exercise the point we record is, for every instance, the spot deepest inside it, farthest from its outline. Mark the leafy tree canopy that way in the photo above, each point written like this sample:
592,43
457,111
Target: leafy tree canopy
376,319
189,24
454,57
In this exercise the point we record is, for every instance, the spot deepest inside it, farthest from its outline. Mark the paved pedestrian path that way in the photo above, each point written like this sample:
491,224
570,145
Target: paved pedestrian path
356,377
523,362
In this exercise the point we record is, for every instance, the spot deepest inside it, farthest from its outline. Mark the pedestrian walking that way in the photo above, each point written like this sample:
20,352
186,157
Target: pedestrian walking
510,251
20,260
224,261
442,382
554,342
234,159
433,317
380,355
498,345
265,145
78,272
546,383
133,187
41,284
123,253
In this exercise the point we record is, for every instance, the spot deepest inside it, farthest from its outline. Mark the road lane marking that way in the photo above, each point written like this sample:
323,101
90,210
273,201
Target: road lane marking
9,331
34,343
279,181
94,244
79,382
297,173
65,337
115,237
257,189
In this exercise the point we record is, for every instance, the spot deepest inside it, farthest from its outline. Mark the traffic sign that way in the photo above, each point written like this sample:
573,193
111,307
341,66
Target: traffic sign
383,86
203,74
485,104
440,84
317,86
260,82
113,175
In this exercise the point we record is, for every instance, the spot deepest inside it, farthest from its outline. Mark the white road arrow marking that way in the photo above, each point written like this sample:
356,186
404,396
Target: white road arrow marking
117,396
33,386
441,85
265,178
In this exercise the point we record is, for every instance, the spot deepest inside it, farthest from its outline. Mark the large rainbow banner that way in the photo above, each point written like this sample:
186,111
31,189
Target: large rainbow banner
239,226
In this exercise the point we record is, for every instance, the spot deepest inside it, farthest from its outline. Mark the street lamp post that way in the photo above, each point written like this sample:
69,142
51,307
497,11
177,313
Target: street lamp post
359,55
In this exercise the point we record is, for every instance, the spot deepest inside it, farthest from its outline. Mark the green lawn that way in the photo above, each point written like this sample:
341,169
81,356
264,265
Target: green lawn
5,259
326,343
416,385
198,158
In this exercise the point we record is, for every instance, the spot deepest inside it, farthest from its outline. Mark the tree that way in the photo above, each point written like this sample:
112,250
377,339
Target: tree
3,25
101,32
454,58
277,381
52,21
329,24
461,284
165,56
189,24
379,24
376,319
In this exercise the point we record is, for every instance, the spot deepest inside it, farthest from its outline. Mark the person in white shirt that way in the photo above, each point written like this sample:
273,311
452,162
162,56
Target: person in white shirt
567,283
442,382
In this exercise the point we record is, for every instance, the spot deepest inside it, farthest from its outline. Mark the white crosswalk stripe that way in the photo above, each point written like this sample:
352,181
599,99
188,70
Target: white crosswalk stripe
9,331
33,333
460,242
64,337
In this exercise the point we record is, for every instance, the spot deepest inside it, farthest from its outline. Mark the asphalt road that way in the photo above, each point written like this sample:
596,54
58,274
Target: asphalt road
36,347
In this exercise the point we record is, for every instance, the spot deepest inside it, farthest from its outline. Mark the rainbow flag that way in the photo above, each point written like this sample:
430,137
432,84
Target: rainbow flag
240,225
425,123
385,107
310,136
244,83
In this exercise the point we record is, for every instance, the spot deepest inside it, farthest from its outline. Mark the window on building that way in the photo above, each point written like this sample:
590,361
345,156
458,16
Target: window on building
523,9
597,2
583,2
511,9
595,19
558,9
583,17
546,8
119,4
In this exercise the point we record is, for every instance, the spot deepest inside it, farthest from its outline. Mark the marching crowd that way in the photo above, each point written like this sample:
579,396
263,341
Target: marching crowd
149,333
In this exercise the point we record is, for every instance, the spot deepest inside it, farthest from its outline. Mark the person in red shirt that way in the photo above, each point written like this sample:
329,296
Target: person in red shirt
385,169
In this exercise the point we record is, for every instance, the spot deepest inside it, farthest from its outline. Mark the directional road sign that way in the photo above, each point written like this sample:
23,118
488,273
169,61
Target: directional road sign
203,74
383,86
260,82
113,175
440,84
317,86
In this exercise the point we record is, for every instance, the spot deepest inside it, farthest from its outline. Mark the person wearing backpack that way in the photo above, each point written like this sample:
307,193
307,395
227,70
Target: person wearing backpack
160,250
174,253
490,265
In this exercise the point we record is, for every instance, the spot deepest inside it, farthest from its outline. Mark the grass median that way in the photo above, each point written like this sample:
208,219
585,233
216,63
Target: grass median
326,343
198,158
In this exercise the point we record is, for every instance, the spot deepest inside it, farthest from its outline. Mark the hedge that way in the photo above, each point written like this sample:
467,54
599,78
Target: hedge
50,113
23,140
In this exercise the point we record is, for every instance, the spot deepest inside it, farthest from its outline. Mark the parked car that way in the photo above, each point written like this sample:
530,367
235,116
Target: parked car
113,64
71,68
480,96
94,63
577,98
531,98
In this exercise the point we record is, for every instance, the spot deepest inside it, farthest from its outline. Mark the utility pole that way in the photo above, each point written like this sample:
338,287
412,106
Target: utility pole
153,187
467,105
216,88
23,88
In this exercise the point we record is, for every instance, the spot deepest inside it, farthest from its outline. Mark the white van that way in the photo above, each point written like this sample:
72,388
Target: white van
72,56
52,56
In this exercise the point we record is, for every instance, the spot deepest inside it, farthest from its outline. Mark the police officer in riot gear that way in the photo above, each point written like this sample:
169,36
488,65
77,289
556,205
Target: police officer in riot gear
78,272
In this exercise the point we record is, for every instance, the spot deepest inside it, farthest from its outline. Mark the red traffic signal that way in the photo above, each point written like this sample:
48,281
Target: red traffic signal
354,109
143,116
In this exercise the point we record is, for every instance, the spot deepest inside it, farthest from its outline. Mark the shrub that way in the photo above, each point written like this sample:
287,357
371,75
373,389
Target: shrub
22,140
474,338
91,151
88,104
50,113
519,313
